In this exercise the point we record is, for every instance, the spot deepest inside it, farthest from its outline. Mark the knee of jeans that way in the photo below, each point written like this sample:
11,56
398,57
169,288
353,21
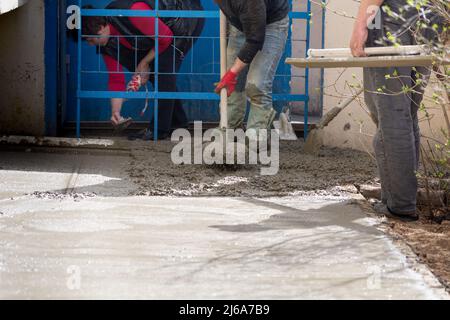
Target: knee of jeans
258,96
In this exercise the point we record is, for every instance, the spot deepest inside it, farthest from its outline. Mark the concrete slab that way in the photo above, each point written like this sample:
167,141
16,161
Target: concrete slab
39,172
69,230
201,248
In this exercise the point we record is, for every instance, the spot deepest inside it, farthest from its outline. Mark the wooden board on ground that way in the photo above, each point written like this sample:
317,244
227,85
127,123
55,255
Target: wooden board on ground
365,62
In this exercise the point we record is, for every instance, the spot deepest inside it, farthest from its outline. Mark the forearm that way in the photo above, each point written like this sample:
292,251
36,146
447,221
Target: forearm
364,13
149,57
238,66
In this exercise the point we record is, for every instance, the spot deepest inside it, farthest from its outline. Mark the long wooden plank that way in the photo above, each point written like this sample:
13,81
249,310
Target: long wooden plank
371,51
366,62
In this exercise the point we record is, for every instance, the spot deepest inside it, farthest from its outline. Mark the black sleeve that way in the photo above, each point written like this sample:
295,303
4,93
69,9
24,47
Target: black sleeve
253,18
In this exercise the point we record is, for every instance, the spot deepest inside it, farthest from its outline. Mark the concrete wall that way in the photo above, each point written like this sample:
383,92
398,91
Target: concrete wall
298,50
22,70
353,128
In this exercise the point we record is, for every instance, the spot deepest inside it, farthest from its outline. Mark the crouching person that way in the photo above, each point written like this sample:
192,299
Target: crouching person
128,42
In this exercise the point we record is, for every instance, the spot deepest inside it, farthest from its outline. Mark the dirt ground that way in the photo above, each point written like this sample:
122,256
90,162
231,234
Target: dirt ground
430,241
334,172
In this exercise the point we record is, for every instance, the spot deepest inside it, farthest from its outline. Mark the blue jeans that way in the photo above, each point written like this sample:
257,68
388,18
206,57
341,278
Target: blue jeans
256,81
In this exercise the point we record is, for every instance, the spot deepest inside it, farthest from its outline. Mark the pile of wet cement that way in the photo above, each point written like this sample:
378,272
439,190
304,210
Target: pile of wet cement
331,172
48,195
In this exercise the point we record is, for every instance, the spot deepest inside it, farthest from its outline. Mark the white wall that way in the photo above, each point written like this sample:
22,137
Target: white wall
298,50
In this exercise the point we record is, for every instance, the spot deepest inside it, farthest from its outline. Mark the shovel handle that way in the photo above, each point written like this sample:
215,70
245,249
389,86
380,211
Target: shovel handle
223,71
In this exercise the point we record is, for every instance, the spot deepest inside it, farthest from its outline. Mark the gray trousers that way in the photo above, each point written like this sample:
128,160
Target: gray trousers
397,141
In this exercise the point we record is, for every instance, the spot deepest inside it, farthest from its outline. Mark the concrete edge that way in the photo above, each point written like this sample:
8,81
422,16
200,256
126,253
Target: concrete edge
413,261
59,142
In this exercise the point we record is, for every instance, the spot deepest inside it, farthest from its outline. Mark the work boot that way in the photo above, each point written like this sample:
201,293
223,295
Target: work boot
147,135
407,217
122,124
138,135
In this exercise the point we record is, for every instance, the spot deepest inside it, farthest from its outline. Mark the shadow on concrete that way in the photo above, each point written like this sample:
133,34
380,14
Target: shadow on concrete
341,214
331,229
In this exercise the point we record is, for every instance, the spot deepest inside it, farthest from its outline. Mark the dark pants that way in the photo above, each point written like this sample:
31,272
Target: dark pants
397,141
170,112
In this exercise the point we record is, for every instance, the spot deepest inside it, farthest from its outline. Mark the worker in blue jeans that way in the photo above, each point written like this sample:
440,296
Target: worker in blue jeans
397,140
257,38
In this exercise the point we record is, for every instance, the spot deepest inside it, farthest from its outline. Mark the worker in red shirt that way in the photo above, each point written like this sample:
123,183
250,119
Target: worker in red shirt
128,42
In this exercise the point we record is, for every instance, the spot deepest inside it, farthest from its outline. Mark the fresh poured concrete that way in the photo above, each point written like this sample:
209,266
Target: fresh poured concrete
106,244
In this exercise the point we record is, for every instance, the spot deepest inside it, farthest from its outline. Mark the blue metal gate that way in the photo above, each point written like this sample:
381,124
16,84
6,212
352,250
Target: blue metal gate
87,92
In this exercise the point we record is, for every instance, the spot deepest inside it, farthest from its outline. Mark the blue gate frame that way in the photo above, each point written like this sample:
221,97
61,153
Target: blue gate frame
156,94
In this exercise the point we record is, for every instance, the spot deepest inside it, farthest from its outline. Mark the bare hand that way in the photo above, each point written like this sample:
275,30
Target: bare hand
358,41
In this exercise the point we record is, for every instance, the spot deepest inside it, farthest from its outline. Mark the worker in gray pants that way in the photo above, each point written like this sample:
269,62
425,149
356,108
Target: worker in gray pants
397,141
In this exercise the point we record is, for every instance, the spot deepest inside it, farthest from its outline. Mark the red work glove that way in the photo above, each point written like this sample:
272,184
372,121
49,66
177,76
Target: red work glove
134,84
228,81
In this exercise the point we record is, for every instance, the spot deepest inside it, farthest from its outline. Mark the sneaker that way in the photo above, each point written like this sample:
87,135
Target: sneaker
122,124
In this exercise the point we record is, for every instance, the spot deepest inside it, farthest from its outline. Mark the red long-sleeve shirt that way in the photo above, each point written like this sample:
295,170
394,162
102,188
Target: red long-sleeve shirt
147,26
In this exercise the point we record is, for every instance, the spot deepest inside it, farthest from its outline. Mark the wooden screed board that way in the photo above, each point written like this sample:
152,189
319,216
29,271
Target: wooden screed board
396,56
365,62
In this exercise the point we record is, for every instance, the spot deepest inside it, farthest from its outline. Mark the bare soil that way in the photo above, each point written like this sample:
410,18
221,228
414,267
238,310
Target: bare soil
430,241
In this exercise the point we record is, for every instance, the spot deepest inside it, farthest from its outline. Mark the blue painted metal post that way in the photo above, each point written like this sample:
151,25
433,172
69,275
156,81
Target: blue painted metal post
156,104
63,64
78,119
308,43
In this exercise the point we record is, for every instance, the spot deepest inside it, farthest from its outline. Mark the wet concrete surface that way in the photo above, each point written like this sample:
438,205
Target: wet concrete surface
63,173
70,227
152,170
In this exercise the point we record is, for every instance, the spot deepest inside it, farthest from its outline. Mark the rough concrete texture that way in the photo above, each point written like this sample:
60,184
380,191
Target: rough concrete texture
72,232
334,171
